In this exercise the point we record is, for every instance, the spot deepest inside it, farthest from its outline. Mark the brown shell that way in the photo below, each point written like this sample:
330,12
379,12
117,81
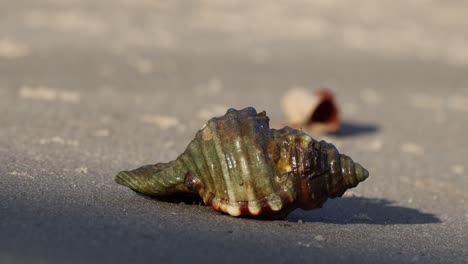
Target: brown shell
316,112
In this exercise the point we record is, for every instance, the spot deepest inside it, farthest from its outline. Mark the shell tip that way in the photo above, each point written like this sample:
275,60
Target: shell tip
121,178
361,173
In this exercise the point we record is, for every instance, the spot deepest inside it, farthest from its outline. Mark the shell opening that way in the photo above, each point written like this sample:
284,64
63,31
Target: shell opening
326,112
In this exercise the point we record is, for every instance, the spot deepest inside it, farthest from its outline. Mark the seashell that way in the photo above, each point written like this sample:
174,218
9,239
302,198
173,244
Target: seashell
316,112
241,167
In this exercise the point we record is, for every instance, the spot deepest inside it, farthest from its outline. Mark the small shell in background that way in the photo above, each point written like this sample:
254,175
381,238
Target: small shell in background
315,112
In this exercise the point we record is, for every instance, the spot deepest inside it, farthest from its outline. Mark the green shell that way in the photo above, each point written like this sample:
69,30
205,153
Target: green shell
240,166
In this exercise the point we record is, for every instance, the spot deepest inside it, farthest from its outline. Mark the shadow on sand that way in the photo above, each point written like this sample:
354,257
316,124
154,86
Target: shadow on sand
357,210
347,210
349,128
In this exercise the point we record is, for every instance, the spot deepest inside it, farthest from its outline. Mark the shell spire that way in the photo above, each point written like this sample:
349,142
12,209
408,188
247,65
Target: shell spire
240,166
158,179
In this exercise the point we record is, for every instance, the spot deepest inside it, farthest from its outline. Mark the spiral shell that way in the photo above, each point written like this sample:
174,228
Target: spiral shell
240,166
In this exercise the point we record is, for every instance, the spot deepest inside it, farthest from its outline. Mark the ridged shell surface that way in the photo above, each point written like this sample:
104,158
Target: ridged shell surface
240,166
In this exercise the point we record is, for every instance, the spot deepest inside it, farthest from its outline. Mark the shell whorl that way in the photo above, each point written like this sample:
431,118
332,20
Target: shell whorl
240,166
318,169
158,179
232,164
334,172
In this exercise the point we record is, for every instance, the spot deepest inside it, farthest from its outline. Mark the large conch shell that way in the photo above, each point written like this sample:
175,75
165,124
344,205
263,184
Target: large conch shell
240,166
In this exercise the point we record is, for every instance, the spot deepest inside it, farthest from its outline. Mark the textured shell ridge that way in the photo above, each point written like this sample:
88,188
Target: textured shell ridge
242,159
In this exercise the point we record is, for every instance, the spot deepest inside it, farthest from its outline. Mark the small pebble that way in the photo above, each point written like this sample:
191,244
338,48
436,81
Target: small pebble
59,140
319,238
82,170
15,173
300,243
45,93
361,217
102,132
411,148
164,122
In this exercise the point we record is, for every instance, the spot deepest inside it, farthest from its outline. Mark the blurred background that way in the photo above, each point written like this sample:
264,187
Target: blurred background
89,88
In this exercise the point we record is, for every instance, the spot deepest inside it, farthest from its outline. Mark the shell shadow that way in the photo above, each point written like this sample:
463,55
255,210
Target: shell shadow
348,128
185,198
358,210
